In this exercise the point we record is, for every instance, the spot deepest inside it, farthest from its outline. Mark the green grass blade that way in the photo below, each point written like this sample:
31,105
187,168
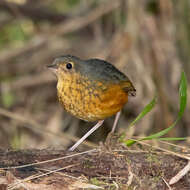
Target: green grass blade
161,133
183,94
146,110
129,142
173,138
183,102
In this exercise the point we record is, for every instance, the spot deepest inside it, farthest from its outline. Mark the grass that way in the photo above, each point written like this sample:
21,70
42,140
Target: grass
151,105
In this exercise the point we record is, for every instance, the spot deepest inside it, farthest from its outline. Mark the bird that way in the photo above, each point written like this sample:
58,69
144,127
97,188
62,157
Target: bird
91,90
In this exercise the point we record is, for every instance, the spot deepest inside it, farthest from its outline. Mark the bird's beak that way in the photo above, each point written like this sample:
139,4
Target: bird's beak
53,67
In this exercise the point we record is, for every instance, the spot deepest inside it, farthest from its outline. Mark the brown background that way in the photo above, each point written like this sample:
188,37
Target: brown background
148,40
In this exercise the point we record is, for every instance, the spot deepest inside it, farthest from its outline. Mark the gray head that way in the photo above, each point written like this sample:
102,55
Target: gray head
95,69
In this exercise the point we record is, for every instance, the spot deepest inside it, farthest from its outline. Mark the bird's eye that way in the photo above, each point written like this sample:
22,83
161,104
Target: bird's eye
69,66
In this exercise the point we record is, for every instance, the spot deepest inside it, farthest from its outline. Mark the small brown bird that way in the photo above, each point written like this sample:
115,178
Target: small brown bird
91,90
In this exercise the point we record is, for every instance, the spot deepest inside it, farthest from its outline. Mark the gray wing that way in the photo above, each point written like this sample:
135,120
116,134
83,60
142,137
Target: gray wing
99,69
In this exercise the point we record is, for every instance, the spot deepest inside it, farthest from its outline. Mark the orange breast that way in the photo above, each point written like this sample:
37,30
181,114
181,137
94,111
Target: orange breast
109,102
89,101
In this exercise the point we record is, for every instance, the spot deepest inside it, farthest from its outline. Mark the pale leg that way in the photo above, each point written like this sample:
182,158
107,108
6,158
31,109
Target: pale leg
86,135
116,121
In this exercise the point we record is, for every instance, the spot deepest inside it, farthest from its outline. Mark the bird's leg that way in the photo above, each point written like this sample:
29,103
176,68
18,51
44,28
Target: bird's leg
86,135
115,121
112,139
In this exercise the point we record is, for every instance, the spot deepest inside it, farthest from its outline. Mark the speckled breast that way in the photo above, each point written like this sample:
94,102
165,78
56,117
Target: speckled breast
90,100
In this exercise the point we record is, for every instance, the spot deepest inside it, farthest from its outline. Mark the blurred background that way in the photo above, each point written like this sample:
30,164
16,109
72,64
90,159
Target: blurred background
149,40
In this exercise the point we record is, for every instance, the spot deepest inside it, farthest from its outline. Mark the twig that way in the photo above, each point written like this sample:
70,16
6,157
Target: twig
12,186
35,43
163,149
33,12
77,23
52,160
166,184
180,174
31,80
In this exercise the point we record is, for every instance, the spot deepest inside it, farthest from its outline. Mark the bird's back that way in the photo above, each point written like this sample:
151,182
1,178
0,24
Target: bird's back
101,70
